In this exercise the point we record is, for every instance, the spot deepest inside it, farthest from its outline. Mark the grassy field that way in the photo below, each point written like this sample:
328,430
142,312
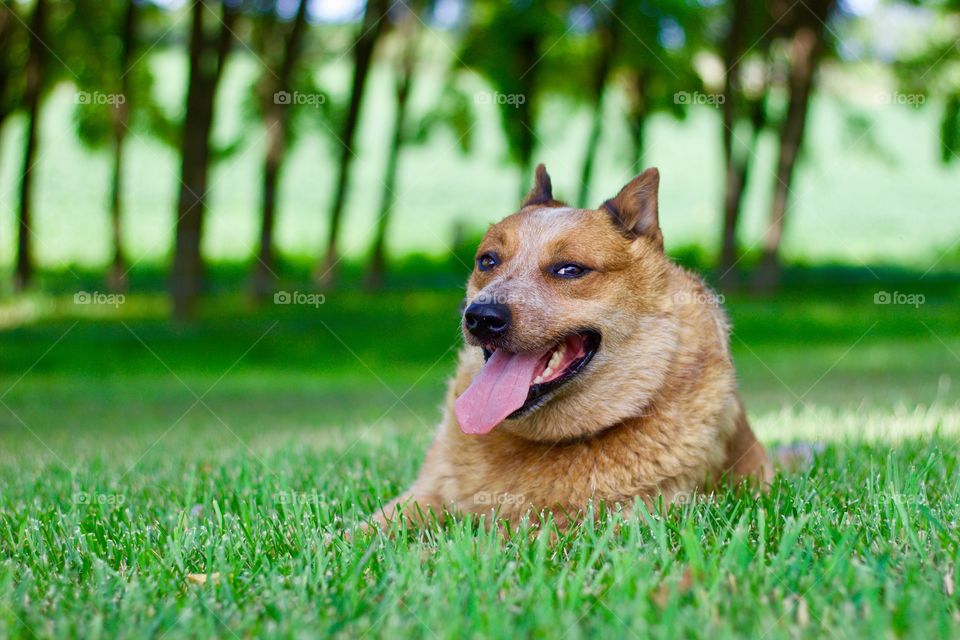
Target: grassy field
134,453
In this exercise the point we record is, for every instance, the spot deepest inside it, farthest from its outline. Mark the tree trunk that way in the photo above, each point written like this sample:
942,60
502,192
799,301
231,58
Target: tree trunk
206,67
35,71
378,260
607,50
637,116
733,186
737,178
6,23
737,168
805,50
276,121
327,271
117,278
263,270
527,58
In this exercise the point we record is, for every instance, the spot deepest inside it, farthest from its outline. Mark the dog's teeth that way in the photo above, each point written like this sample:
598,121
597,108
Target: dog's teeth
538,380
557,357
547,373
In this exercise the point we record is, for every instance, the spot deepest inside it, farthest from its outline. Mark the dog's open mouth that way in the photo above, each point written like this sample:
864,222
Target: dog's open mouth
512,384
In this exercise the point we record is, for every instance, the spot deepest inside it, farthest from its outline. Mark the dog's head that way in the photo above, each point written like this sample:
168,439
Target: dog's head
564,305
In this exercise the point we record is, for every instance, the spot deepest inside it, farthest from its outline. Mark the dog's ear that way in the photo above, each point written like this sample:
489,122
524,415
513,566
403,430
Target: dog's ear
634,209
542,191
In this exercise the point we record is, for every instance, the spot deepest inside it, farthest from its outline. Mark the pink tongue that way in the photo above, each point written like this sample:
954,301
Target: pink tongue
498,390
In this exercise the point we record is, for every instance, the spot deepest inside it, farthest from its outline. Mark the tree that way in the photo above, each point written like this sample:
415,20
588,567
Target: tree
12,57
507,45
276,103
363,48
649,49
608,36
36,78
408,28
805,48
121,121
450,110
208,57
747,38
104,35
931,75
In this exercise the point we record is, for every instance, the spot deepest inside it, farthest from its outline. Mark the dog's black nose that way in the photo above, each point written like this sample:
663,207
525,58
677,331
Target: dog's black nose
487,320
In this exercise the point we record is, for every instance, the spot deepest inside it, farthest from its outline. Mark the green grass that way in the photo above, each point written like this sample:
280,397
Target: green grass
117,482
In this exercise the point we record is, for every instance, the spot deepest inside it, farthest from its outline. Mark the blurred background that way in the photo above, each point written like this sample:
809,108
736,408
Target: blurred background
235,222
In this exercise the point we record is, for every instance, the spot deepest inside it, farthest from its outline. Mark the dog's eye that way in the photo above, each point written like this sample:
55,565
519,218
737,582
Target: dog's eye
569,270
487,261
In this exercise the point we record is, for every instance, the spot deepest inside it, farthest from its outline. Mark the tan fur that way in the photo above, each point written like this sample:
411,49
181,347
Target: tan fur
655,413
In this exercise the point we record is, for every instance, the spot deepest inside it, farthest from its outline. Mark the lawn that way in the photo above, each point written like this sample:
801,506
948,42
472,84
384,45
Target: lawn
135,453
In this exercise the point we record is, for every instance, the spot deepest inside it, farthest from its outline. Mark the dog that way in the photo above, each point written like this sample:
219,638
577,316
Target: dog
595,370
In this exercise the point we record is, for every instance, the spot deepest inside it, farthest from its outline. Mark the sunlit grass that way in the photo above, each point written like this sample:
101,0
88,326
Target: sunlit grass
134,453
